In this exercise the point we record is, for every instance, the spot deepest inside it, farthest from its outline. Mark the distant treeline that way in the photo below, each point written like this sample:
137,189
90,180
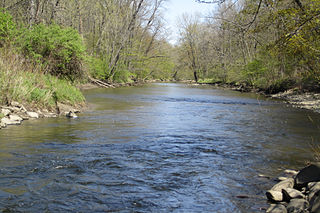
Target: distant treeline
271,45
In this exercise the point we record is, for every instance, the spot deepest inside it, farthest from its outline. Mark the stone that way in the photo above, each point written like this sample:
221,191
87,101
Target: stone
313,184
276,208
282,178
23,109
6,121
274,196
289,194
2,125
298,206
308,174
291,172
288,183
71,114
315,205
15,118
50,115
314,188
5,112
33,114
12,109
15,104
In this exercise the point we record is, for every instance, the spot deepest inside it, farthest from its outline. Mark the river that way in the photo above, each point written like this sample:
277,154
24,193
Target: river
155,148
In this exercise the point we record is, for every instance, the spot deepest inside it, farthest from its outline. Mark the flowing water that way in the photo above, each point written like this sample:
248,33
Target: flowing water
155,148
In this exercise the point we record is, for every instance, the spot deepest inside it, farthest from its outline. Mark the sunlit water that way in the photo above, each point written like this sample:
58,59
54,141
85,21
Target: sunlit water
156,148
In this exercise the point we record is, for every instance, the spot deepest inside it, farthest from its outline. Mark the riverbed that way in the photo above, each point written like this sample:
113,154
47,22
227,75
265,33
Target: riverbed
155,148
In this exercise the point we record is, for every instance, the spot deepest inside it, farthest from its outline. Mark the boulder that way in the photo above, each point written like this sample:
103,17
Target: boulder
298,206
312,185
314,189
50,115
291,172
282,178
15,118
15,104
5,112
2,125
289,194
274,196
33,114
315,205
308,174
6,121
71,114
288,183
276,208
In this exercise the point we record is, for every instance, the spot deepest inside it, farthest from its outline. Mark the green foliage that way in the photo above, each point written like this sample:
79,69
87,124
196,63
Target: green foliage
7,27
19,83
253,71
98,68
38,89
60,50
123,76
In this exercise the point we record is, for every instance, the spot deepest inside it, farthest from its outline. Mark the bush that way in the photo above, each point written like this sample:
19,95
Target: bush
7,28
98,68
253,72
280,85
60,50
19,83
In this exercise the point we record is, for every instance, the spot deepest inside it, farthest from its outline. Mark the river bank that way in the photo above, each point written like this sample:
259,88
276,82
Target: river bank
15,113
298,192
295,97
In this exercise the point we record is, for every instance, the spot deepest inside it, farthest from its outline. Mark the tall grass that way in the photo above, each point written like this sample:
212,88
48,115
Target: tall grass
24,82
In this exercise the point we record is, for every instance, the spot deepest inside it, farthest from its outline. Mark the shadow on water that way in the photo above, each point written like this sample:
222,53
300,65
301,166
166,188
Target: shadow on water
155,148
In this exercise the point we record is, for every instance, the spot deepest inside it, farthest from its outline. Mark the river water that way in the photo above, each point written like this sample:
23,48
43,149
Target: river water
155,148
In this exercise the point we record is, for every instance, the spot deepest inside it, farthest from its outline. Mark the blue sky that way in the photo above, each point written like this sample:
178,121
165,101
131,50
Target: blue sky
175,8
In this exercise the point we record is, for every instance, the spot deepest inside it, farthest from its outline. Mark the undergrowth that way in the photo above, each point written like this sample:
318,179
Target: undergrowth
23,82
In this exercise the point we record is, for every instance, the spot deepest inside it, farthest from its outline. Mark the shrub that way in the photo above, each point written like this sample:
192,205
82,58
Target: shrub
253,71
98,68
7,28
19,83
60,50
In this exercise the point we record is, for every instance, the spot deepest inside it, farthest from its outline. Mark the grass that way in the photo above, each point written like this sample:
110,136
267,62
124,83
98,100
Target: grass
23,82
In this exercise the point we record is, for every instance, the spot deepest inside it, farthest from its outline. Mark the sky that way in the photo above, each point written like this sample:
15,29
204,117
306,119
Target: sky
175,8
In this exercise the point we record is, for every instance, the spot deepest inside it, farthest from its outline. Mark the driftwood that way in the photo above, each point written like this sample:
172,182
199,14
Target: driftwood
101,83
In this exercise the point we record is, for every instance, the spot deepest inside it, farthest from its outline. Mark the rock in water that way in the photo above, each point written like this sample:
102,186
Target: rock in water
306,175
274,196
315,205
288,183
291,172
15,118
2,125
289,194
5,112
33,114
71,115
298,206
6,121
276,208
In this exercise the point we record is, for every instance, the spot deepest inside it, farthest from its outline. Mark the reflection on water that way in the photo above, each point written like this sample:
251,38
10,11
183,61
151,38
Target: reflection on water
156,148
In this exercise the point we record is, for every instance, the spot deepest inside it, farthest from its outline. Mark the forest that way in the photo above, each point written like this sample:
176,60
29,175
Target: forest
49,46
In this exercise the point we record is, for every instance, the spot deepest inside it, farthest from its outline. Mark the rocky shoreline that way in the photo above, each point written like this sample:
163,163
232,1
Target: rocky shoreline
297,193
16,113
303,100
295,97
